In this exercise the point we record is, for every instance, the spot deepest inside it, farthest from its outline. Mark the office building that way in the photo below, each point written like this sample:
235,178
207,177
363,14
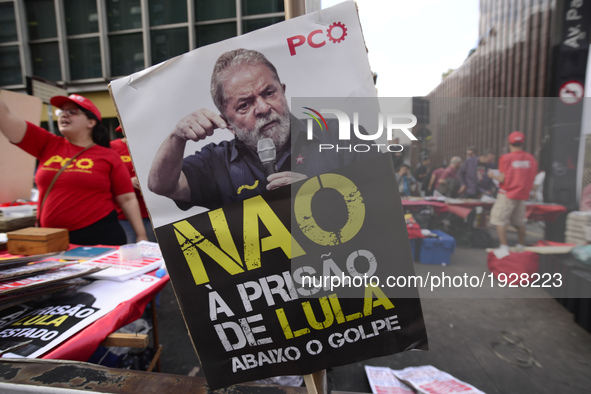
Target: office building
84,44
526,73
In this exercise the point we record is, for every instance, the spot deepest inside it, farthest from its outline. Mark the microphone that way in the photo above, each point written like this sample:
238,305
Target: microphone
267,154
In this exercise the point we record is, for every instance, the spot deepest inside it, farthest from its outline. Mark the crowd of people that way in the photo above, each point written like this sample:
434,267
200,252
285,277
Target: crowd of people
460,178
515,181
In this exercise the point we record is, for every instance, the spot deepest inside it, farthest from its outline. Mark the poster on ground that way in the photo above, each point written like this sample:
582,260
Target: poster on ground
49,323
237,237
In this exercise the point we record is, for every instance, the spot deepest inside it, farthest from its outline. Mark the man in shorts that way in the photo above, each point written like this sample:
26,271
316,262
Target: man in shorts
517,171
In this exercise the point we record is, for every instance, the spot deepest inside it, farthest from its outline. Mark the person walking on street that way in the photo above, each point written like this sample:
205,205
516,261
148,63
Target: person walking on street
517,171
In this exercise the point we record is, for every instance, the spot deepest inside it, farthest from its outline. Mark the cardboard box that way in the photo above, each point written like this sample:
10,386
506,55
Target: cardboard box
17,167
37,240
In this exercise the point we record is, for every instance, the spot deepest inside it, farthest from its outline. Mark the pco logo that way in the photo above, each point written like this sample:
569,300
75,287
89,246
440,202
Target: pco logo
336,33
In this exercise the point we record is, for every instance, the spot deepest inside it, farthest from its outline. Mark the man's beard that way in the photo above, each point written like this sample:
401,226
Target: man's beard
278,133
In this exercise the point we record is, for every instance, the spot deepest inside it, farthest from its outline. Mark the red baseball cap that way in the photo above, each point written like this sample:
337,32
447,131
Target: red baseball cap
516,136
59,101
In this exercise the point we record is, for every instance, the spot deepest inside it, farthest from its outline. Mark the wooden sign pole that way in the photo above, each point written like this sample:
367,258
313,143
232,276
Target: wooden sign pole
316,382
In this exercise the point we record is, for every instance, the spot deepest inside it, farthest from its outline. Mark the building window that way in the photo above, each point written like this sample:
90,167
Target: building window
42,27
7,23
46,61
127,54
81,17
85,58
124,15
10,62
80,40
206,10
124,20
208,34
168,43
254,24
84,51
256,7
166,12
41,19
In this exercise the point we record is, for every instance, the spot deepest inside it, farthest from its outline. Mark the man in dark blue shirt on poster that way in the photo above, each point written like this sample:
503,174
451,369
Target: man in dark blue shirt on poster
247,91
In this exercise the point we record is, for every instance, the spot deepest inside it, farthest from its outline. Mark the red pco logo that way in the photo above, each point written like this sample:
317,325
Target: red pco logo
336,33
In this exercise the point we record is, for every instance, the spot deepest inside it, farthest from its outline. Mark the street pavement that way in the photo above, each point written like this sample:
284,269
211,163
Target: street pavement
469,332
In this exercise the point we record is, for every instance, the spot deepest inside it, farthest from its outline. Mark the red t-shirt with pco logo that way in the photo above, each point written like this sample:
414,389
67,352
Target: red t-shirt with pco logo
520,169
85,192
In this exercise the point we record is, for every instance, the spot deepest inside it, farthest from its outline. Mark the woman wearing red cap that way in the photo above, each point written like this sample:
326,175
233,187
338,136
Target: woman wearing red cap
84,196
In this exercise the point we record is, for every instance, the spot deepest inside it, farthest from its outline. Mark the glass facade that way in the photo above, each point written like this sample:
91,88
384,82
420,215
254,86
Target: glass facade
254,24
9,49
85,58
90,42
41,19
220,9
7,23
167,12
127,53
10,66
208,34
256,7
124,15
168,43
81,17
46,61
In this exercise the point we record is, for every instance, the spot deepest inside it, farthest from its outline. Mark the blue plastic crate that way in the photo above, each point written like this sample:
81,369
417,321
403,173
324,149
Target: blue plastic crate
437,250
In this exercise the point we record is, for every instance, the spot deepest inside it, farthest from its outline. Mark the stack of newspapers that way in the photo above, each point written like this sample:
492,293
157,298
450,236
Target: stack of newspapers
578,228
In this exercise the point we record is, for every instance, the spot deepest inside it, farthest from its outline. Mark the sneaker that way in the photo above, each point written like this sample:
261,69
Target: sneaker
502,251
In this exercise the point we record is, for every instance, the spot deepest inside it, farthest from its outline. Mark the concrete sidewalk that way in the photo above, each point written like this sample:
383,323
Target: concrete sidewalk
466,331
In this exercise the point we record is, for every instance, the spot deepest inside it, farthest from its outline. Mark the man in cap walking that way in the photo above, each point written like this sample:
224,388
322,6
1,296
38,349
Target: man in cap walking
517,171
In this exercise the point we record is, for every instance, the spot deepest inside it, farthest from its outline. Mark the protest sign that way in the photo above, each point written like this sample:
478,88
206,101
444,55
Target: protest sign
237,269
46,278
49,323
237,272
